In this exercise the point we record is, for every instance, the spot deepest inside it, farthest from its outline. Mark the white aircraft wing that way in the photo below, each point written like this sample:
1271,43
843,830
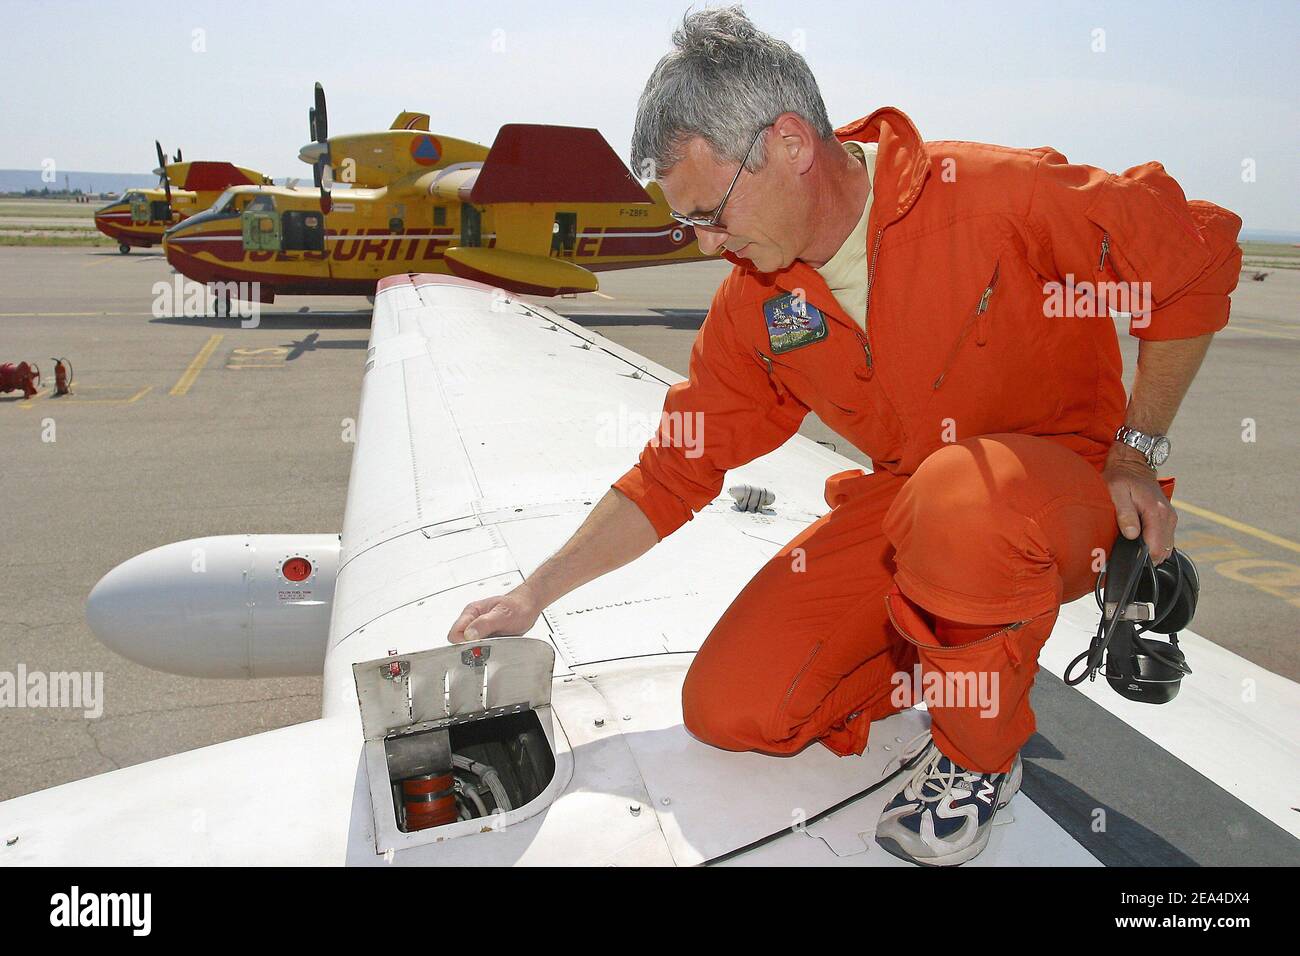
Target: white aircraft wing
488,428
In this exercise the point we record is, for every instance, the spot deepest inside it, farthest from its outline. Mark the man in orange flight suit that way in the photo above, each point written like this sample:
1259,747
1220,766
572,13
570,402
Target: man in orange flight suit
942,305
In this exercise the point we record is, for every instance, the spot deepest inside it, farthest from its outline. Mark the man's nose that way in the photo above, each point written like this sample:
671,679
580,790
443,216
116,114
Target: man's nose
710,241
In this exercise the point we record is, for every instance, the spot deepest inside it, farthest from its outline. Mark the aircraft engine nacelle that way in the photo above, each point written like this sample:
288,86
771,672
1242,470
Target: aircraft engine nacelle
379,159
245,605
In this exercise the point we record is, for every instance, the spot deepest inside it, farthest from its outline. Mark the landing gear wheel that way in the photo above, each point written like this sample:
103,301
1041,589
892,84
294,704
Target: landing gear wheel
221,305
123,248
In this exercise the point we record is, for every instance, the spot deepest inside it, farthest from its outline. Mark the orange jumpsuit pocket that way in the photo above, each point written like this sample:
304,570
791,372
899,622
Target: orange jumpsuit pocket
977,693
1011,645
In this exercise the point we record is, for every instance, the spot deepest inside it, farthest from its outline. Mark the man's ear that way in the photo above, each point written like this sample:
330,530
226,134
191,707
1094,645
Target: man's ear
792,141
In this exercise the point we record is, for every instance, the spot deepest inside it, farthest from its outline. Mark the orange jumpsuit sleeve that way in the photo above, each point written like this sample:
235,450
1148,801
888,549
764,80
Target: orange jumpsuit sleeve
1186,250
725,414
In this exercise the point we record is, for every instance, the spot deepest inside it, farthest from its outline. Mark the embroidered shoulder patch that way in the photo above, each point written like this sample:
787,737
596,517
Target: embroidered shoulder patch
792,322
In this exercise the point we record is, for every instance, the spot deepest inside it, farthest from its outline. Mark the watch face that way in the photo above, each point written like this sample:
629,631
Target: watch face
1160,451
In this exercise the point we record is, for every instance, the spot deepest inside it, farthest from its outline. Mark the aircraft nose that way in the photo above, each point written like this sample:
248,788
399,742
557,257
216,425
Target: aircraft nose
169,240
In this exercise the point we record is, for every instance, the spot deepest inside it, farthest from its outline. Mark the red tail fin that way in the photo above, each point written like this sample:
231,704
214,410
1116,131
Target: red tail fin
554,164
213,176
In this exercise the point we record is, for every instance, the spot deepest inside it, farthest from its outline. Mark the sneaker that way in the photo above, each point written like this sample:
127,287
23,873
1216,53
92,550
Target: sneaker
944,814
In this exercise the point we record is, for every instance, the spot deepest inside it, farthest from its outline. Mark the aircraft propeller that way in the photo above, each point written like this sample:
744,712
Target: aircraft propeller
321,172
162,171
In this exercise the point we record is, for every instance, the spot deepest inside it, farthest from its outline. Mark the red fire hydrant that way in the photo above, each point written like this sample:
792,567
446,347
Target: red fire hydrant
23,375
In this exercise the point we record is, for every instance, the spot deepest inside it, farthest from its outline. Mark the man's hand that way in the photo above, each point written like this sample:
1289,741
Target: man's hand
1140,505
509,614
615,532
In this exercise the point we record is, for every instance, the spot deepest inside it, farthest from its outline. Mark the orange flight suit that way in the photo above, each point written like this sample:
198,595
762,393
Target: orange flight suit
987,415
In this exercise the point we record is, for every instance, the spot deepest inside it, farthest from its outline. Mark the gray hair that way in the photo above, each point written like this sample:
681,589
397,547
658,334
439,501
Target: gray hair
725,80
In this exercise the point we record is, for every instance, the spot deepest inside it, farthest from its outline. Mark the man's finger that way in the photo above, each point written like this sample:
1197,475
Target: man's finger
1158,520
487,624
457,632
1126,515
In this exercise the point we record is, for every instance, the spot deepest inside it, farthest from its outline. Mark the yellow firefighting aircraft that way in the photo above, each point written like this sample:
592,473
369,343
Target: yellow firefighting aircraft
538,213
138,219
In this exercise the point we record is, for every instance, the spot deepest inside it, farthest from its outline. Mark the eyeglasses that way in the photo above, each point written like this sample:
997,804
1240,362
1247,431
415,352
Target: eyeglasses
712,220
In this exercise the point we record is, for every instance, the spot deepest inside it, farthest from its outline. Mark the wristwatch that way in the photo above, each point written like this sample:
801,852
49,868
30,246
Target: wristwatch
1155,448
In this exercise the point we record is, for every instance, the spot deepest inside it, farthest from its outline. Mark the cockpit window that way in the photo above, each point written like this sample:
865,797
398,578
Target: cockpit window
223,203
231,202
261,204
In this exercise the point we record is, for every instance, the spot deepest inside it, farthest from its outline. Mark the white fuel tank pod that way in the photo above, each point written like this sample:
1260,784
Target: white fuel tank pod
248,605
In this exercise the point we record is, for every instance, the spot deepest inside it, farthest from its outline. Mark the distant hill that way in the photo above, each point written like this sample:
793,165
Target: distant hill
1269,235
21,180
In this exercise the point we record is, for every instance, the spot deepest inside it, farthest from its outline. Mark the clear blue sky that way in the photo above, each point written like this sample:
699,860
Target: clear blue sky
1199,86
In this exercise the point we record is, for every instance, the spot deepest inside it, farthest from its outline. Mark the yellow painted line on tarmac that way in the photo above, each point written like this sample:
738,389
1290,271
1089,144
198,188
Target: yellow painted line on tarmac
40,393
76,397
1236,525
190,374
116,401
271,356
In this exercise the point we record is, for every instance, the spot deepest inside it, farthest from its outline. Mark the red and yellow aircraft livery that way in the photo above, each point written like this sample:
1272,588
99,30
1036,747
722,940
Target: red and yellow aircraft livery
538,213
140,217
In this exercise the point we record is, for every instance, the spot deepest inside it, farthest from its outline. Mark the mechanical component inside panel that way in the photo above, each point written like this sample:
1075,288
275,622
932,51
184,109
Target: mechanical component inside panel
455,733
468,771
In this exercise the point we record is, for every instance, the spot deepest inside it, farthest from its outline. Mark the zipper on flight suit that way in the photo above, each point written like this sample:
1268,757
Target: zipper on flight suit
1013,626
1105,250
980,310
866,316
771,379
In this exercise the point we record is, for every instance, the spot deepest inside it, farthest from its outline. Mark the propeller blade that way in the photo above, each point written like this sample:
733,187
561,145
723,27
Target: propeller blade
320,118
162,166
321,173
324,177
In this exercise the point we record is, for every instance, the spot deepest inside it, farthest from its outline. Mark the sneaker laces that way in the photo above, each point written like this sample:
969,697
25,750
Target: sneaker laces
907,753
929,782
